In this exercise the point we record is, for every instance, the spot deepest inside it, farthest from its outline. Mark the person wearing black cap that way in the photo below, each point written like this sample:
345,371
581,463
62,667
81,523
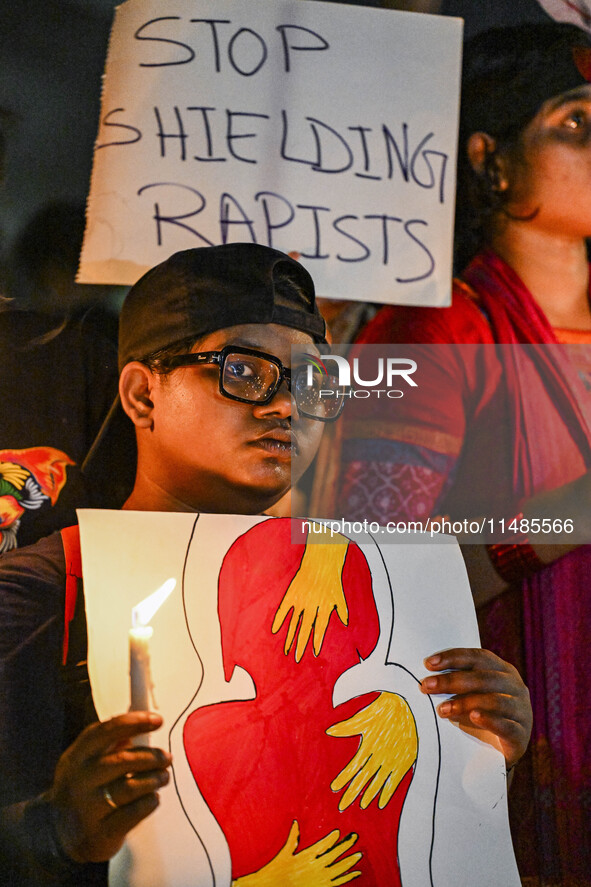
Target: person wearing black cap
514,431
205,364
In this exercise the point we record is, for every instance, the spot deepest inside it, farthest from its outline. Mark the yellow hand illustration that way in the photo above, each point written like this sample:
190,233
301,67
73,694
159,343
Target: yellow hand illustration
316,866
314,592
388,748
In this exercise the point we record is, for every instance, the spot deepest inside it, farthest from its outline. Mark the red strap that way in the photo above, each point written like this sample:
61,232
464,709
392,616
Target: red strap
71,543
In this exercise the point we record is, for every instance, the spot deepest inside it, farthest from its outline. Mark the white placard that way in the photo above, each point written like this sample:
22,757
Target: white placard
317,128
207,659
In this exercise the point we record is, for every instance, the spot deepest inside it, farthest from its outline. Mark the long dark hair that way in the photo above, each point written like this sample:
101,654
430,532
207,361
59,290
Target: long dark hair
508,73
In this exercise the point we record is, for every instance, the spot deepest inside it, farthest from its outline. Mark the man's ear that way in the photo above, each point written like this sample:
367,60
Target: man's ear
135,390
487,161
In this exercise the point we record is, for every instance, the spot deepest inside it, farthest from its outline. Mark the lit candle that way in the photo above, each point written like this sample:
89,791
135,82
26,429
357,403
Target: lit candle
140,677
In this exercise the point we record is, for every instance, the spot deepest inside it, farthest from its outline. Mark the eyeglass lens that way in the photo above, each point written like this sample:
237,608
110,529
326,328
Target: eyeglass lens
248,376
316,394
253,378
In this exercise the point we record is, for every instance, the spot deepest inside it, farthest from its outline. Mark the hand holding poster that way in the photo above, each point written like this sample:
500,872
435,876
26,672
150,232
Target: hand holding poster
311,127
295,760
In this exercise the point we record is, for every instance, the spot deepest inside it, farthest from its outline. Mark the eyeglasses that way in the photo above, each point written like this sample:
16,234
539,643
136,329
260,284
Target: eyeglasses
251,376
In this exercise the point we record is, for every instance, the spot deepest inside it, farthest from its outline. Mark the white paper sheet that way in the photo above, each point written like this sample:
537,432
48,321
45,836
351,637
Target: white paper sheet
453,828
319,128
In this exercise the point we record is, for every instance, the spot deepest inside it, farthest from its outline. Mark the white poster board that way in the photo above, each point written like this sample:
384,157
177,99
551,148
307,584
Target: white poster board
453,827
317,128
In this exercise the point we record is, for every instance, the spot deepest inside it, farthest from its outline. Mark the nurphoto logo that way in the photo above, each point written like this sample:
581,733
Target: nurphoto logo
334,375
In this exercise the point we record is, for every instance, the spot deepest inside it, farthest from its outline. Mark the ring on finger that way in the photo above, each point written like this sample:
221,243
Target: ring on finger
109,798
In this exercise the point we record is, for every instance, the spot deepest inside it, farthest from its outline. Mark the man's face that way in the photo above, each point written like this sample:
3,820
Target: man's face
215,454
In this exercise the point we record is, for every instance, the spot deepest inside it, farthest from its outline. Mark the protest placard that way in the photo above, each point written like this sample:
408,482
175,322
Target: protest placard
317,128
297,752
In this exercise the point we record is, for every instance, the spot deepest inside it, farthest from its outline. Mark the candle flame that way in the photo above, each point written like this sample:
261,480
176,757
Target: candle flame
142,613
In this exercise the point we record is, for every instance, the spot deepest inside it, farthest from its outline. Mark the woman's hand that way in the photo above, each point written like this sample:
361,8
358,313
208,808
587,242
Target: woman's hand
486,692
103,786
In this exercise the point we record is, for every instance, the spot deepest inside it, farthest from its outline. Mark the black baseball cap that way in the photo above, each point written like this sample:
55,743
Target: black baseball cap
198,291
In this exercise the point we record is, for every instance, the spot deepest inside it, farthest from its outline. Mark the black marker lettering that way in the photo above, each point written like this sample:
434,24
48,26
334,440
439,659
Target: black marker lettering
179,61
231,136
385,219
226,221
402,161
423,247
318,167
263,52
444,158
272,226
159,218
179,134
284,134
365,174
317,254
208,139
214,34
366,250
287,46
107,122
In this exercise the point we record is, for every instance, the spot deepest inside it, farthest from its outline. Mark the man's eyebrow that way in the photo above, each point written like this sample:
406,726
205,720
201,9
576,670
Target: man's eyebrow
310,349
245,343
565,98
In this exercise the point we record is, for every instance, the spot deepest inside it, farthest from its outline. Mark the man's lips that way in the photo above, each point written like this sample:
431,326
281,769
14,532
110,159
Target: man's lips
278,441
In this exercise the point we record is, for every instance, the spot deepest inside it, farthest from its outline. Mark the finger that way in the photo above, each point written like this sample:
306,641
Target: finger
465,658
327,843
116,826
293,839
512,735
390,786
334,850
374,787
343,611
342,866
494,703
136,757
475,681
127,790
291,630
123,762
320,626
305,632
99,737
507,728
280,615
353,726
355,787
344,879
347,773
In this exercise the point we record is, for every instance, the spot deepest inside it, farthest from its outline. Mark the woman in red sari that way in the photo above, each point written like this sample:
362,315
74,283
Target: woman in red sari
515,424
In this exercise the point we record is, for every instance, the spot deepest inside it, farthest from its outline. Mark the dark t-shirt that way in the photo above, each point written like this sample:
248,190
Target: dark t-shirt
43,705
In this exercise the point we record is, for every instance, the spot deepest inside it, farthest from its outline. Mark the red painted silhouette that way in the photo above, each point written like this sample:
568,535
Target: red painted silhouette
262,763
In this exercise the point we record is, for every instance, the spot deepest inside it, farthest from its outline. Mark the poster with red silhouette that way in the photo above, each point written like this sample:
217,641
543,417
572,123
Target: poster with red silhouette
287,668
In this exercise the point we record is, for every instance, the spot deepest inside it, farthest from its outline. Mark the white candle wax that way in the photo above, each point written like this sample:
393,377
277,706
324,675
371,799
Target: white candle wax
140,678
140,674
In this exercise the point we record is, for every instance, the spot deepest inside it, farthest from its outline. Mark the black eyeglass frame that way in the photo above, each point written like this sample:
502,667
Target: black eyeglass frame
203,358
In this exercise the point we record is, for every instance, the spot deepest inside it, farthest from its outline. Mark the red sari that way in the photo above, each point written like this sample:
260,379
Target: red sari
536,412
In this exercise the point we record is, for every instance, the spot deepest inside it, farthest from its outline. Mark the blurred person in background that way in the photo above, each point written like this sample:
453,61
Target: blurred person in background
516,427
58,378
